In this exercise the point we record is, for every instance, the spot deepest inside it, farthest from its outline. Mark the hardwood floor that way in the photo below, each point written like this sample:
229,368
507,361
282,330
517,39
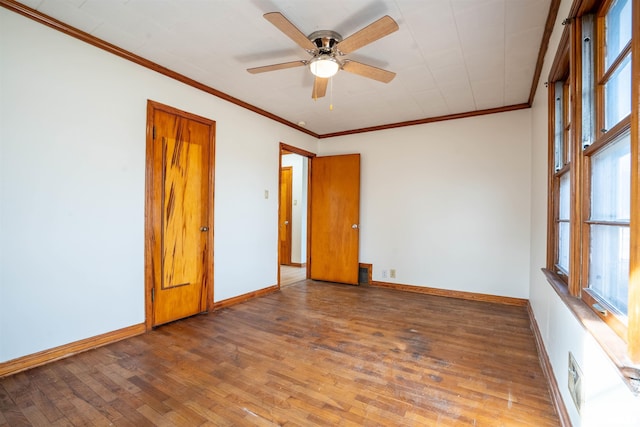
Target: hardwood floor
290,274
312,354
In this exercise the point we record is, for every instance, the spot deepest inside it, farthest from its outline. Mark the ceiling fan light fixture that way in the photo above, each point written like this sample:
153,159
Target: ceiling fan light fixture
324,66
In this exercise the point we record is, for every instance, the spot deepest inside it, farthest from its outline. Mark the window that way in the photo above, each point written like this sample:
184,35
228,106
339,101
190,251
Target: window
564,192
616,58
608,165
608,224
593,165
561,178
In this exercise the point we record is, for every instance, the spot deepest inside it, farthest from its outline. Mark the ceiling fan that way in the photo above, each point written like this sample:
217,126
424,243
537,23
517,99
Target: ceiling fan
326,49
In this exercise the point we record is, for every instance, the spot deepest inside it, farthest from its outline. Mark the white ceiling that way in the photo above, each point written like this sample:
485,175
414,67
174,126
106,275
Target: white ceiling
450,56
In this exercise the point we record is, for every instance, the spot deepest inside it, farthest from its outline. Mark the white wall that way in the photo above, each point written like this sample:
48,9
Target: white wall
608,400
72,170
299,165
447,204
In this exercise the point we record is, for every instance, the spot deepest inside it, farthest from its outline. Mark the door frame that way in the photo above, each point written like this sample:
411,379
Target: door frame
149,236
290,149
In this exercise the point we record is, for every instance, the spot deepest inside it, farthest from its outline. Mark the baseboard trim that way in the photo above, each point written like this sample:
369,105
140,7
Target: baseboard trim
452,294
244,297
545,363
40,358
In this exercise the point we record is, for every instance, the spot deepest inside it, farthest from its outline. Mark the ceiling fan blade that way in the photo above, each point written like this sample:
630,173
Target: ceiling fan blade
319,88
368,71
275,67
372,32
290,30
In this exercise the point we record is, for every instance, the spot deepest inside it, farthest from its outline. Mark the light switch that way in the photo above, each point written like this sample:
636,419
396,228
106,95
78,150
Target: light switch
266,194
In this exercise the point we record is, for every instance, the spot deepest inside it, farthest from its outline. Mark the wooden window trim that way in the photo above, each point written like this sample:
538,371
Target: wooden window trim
606,74
607,316
612,344
560,71
603,137
623,350
575,246
609,136
567,117
564,275
633,324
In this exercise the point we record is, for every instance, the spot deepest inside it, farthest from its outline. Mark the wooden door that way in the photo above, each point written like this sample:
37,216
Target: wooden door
179,214
335,216
286,190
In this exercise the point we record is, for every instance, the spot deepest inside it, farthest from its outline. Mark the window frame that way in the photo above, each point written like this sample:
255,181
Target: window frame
620,341
598,304
560,73
603,138
563,168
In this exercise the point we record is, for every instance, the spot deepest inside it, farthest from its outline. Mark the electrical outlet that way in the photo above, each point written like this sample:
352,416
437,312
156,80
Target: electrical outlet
576,388
392,273
384,274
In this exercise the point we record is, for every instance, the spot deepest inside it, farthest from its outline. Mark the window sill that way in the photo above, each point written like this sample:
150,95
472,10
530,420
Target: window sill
614,346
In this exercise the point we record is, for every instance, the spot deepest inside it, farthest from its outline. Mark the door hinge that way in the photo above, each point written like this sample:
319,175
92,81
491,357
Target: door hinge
153,294
154,132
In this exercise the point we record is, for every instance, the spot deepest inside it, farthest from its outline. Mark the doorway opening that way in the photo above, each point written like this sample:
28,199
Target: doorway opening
293,215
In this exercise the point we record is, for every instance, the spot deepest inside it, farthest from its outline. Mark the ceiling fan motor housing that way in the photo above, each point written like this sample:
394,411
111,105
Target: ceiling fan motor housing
325,40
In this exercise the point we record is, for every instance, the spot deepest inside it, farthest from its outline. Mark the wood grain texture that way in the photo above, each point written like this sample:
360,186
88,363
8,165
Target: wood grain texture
544,45
369,34
290,30
427,120
319,87
290,274
183,167
472,296
244,297
184,211
312,354
179,201
368,71
287,149
40,358
276,67
335,208
285,214
633,327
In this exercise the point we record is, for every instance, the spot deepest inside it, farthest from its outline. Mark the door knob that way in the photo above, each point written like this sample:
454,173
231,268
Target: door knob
286,223
203,228
354,226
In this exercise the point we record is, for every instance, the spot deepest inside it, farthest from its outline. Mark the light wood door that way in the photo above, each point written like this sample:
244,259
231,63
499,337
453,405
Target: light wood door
181,215
335,216
286,191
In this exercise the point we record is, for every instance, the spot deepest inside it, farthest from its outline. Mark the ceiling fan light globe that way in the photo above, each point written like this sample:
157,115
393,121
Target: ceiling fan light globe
324,66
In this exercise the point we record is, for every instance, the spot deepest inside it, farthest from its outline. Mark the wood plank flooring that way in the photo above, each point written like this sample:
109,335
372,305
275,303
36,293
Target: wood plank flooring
290,274
312,354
